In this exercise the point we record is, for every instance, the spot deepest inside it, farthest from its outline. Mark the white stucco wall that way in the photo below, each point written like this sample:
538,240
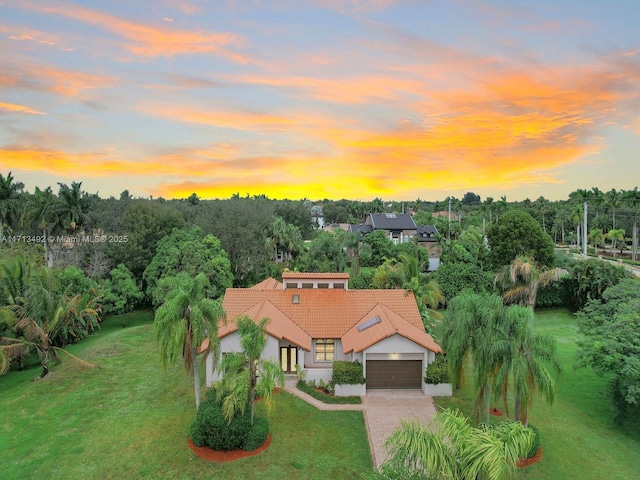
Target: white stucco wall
231,344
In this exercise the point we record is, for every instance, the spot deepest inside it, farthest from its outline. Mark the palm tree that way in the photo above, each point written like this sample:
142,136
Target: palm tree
615,235
597,236
451,448
9,194
46,318
185,320
470,330
74,204
522,278
43,210
351,241
526,356
614,198
247,373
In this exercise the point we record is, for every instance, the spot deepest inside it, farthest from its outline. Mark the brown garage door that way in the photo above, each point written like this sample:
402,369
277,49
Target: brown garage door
394,374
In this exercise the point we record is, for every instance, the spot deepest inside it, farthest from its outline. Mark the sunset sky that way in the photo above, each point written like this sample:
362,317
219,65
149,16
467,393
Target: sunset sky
321,99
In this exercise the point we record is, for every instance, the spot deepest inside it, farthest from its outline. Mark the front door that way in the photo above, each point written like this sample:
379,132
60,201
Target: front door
288,359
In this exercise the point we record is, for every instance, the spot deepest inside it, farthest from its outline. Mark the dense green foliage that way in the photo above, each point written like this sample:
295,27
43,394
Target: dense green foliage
347,373
517,233
591,278
535,445
457,278
257,434
212,429
611,344
437,371
145,224
120,293
310,389
190,252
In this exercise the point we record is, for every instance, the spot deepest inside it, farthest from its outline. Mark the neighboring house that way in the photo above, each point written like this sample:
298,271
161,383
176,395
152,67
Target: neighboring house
399,227
315,319
428,238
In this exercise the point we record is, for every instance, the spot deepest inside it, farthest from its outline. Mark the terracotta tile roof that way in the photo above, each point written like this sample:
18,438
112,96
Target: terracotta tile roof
310,275
389,323
269,283
328,313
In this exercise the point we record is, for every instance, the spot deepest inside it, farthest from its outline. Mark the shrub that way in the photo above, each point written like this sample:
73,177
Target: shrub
210,428
347,373
257,435
310,389
536,441
437,371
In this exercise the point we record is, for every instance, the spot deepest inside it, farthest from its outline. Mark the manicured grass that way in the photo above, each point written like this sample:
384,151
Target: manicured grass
579,438
130,419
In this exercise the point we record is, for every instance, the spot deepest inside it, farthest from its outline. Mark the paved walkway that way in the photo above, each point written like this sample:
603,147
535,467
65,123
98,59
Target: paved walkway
383,411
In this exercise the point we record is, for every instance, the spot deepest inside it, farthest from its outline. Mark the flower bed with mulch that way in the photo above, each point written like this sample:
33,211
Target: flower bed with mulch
525,462
496,412
211,455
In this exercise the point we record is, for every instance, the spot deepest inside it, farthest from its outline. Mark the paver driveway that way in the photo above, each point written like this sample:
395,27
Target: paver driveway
383,411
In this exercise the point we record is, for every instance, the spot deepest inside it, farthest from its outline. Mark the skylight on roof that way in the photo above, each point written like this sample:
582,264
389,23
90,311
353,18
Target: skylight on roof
390,215
369,323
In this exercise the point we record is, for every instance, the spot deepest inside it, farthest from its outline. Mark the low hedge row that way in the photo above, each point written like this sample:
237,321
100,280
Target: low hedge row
306,388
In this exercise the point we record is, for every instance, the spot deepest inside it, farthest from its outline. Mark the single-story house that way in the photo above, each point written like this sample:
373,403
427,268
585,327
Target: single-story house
315,319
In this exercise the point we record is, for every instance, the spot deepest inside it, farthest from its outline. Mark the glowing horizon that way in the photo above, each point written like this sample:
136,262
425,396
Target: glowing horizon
333,99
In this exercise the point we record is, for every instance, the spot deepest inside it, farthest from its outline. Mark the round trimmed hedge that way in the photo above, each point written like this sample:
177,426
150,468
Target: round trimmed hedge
211,429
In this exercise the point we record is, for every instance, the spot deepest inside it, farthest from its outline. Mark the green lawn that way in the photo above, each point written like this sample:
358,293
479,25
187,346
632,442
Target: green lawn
579,439
130,420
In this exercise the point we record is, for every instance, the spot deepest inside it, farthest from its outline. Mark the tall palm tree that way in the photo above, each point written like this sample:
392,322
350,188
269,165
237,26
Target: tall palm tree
43,211
184,320
526,357
522,278
452,449
246,373
74,204
470,331
9,194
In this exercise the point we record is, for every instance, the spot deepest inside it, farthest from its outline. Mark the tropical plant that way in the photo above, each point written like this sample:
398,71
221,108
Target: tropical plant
615,235
184,321
247,374
9,194
521,279
43,211
470,330
526,356
452,449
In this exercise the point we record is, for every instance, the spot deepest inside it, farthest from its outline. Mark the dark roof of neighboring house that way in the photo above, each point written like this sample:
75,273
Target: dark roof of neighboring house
427,233
361,228
392,221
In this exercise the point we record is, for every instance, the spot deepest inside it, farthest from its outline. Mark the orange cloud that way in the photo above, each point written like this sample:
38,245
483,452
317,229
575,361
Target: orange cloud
12,107
52,79
147,40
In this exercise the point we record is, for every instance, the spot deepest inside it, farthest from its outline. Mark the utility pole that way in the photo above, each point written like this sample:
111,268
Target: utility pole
584,234
449,224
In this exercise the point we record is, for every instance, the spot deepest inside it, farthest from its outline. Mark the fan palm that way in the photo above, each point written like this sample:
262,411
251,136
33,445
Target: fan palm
184,321
246,373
